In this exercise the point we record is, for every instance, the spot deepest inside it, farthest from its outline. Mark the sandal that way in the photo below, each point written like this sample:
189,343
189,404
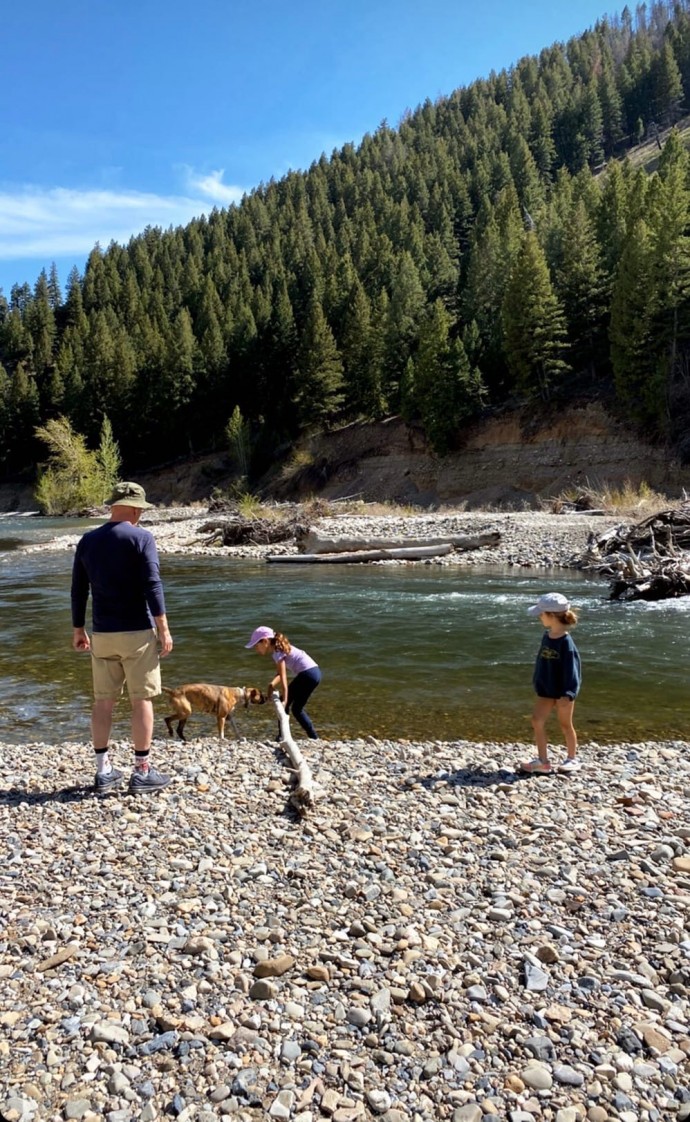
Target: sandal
535,767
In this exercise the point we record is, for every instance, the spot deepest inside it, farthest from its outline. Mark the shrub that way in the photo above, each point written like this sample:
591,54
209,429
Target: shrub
74,478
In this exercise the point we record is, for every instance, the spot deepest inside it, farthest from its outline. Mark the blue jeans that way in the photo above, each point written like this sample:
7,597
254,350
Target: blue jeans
299,691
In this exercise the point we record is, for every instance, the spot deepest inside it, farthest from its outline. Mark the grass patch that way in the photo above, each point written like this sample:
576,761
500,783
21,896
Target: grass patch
630,500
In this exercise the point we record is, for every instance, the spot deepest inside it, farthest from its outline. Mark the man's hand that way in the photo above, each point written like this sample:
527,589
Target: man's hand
80,640
166,641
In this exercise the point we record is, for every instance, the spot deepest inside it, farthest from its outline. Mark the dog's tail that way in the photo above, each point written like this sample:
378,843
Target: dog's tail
166,689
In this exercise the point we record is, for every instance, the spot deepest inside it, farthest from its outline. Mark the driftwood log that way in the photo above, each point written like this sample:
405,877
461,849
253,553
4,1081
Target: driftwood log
416,553
302,796
312,543
649,560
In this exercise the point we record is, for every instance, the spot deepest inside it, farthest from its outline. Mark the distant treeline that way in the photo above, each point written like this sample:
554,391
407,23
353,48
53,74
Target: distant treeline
497,245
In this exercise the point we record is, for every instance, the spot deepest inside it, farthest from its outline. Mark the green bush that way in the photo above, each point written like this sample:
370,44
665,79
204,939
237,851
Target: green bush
74,478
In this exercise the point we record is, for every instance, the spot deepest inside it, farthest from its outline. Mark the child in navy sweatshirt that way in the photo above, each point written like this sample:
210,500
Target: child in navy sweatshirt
557,678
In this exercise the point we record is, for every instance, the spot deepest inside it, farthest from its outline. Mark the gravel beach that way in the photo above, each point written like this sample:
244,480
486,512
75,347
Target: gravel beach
438,938
528,538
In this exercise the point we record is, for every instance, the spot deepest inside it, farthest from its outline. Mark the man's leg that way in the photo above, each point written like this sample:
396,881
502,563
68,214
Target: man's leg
108,678
142,724
142,669
101,723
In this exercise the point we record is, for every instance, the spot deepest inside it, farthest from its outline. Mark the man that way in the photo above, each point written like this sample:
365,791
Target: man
118,562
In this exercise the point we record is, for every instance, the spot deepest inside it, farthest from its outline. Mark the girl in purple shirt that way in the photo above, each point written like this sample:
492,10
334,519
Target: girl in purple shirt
306,673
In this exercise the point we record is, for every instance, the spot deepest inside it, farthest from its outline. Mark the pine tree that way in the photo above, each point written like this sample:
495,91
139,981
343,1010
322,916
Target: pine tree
580,286
23,411
445,390
639,377
667,84
319,394
404,316
363,394
669,223
534,324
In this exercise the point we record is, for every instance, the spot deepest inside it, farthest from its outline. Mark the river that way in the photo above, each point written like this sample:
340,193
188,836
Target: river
417,652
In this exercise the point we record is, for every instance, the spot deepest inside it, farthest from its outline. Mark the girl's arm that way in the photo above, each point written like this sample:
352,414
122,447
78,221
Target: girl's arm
282,671
280,679
571,671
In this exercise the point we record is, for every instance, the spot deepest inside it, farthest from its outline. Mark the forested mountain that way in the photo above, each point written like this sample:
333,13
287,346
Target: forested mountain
496,246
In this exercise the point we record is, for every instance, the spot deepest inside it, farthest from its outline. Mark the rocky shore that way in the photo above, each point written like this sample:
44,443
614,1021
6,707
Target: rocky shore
528,538
437,939
440,938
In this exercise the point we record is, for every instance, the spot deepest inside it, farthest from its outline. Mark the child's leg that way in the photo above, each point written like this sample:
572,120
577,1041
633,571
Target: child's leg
540,715
299,691
564,711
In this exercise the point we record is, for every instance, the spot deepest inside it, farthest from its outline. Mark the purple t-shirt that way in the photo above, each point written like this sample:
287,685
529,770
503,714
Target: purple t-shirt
296,661
118,562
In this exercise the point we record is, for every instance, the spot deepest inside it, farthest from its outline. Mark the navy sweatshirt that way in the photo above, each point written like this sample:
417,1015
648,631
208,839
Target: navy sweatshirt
119,563
557,671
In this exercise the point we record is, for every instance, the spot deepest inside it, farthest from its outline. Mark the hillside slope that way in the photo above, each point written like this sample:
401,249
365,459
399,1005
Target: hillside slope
511,460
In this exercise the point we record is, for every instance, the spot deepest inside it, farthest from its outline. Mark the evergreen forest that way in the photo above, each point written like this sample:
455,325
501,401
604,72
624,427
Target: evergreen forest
502,245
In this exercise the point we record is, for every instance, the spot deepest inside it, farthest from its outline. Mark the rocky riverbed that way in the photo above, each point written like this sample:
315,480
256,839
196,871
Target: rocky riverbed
437,939
528,538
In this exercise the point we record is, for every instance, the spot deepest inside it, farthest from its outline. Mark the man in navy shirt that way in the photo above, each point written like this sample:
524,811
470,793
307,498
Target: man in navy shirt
118,564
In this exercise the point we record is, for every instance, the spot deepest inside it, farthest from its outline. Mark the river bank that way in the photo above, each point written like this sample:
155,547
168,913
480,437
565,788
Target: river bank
528,538
438,939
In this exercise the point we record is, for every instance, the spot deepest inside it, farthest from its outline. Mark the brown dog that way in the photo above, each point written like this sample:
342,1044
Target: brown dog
221,700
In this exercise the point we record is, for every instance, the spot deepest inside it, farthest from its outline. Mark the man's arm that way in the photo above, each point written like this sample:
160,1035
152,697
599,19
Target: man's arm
79,596
164,636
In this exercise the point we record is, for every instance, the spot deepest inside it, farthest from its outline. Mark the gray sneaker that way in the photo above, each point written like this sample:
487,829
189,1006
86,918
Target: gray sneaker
108,781
140,782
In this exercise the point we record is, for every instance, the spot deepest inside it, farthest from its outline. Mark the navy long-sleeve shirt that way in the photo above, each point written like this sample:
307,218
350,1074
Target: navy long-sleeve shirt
557,671
118,562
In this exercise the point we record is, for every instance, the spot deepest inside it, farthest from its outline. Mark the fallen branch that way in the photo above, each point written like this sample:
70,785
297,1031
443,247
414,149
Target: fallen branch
302,796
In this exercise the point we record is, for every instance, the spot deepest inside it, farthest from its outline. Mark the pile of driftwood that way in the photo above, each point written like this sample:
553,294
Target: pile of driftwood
647,561
251,531
314,549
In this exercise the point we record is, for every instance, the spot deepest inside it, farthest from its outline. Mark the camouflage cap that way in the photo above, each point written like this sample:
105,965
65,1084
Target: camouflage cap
128,494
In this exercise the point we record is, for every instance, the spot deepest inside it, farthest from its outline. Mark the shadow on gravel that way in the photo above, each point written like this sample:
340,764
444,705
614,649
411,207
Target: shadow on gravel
473,777
14,797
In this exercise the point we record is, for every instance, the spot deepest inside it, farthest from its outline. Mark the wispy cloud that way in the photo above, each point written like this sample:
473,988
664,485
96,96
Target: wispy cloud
212,187
44,222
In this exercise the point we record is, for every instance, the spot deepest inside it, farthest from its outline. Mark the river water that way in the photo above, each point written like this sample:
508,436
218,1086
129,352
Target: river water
418,652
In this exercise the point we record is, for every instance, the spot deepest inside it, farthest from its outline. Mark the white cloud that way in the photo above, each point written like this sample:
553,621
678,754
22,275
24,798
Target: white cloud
45,222
212,187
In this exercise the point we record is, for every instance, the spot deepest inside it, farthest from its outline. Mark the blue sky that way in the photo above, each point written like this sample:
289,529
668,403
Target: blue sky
115,116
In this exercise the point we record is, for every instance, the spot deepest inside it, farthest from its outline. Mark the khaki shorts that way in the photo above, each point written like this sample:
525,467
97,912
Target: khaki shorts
125,656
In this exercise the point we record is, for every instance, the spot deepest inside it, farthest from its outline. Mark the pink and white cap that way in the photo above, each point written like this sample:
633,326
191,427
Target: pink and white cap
258,634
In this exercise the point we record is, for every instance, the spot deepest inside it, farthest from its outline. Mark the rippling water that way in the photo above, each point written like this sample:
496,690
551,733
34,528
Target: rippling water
419,652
